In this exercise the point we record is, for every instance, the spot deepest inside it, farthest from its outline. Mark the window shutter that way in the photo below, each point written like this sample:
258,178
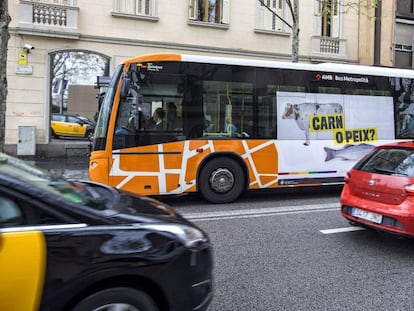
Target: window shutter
317,18
335,19
259,15
278,8
138,7
145,7
225,17
192,10
268,17
153,8
335,26
126,6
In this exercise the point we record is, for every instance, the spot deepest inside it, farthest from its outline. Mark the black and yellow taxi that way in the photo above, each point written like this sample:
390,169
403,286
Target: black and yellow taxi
83,246
69,125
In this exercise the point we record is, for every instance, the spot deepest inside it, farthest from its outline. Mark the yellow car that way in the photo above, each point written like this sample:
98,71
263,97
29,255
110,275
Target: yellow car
71,126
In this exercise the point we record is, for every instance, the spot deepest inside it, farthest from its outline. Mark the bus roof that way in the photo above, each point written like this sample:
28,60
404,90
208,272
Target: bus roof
326,67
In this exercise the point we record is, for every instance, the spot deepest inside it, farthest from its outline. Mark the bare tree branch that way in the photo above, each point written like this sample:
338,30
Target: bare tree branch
292,13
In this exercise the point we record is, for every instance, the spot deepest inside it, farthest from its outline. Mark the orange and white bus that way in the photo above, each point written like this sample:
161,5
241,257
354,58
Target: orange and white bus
173,123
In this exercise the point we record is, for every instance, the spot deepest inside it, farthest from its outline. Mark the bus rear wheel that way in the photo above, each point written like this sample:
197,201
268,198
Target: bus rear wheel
221,180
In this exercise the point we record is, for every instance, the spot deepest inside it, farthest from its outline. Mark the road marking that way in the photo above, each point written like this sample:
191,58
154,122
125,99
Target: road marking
341,230
262,212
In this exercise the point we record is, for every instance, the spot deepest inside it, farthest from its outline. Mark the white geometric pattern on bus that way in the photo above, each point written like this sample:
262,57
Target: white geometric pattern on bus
188,153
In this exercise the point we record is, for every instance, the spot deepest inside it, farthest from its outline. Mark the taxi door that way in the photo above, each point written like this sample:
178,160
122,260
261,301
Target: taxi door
22,268
75,127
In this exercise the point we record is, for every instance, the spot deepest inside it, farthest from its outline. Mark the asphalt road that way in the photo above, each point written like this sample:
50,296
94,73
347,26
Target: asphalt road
284,262
291,250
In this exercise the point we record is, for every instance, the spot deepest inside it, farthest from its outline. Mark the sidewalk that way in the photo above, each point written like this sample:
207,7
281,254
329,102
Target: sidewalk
66,157
64,148
56,148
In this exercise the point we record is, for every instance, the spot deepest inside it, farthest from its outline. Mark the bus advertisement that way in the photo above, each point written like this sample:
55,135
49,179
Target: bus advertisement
175,123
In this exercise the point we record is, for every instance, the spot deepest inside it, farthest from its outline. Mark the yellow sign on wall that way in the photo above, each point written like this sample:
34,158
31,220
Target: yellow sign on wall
22,58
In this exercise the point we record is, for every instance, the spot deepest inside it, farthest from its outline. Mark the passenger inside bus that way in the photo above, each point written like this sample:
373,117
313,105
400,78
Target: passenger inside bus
231,129
157,121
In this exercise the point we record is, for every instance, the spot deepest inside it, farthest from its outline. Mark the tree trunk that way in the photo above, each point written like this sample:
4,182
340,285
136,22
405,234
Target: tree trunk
4,38
295,32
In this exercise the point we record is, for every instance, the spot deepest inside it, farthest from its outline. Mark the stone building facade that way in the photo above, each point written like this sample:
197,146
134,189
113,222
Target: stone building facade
118,29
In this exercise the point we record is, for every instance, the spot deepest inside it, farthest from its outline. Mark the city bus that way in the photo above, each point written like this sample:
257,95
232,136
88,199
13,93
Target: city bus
176,123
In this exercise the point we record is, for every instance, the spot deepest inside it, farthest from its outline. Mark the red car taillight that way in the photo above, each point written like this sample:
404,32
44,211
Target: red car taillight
409,189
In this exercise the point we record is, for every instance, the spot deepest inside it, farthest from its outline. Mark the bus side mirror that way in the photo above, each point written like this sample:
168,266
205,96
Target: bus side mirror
126,81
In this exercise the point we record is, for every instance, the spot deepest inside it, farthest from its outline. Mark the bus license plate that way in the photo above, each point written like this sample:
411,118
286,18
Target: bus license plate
373,217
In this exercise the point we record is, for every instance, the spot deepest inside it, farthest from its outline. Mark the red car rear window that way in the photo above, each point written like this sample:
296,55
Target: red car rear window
390,161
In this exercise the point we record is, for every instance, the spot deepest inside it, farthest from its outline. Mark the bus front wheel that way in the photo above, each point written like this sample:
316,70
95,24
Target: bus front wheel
221,180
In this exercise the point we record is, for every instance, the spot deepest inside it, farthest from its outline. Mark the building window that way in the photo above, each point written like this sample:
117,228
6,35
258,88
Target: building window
405,9
403,56
210,11
267,15
403,51
329,15
403,48
136,7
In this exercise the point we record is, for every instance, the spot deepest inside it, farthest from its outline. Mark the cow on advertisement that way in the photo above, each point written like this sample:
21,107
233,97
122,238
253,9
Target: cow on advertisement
301,113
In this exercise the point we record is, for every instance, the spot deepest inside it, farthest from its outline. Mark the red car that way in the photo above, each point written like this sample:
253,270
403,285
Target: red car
379,190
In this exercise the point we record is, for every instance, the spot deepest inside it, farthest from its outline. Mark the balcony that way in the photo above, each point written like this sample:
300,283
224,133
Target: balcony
54,18
328,47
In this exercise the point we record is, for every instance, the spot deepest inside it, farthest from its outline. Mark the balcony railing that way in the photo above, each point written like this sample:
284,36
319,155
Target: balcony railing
57,2
49,17
327,46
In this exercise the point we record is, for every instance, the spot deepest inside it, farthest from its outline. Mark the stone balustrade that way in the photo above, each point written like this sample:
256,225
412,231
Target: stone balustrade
334,47
59,17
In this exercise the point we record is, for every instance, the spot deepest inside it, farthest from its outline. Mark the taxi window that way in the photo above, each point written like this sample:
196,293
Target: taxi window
73,119
59,118
10,213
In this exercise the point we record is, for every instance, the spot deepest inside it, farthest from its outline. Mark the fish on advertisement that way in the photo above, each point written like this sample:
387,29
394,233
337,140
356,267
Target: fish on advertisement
349,152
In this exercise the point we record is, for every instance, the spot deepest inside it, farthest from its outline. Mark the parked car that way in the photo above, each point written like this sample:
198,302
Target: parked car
71,126
379,190
86,120
82,246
